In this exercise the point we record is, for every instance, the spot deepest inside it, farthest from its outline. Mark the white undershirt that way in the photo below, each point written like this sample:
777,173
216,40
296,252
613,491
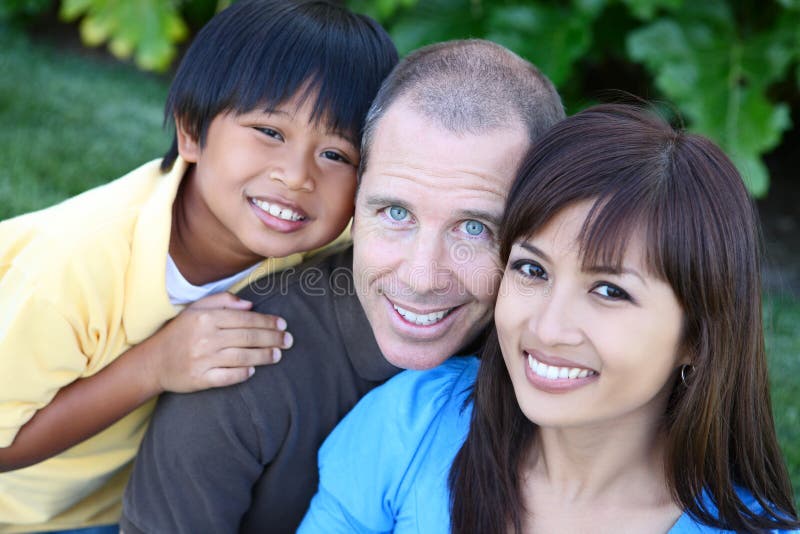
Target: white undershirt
181,291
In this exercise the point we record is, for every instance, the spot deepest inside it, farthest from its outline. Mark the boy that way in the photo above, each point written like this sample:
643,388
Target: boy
268,104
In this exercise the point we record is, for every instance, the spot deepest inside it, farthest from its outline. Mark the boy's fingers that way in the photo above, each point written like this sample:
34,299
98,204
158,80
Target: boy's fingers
256,338
224,376
222,300
249,357
249,319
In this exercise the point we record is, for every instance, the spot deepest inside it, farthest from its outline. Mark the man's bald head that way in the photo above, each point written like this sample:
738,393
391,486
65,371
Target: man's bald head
468,87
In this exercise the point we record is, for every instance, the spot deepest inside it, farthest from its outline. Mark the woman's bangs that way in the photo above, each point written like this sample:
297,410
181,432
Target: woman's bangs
612,223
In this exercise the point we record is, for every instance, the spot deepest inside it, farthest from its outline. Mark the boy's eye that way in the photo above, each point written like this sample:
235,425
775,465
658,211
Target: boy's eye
335,156
397,213
530,269
611,292
473,227
269,132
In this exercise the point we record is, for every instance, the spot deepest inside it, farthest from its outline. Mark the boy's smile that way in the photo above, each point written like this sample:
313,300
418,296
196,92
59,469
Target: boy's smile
264,184
278,209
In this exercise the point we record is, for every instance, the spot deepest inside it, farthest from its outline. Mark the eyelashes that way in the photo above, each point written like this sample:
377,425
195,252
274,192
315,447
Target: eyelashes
533,271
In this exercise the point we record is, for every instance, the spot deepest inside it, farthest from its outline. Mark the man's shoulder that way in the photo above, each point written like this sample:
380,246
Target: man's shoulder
321,278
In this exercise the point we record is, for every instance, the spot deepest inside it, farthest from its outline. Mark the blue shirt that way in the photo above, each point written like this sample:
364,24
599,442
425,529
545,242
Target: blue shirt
384,468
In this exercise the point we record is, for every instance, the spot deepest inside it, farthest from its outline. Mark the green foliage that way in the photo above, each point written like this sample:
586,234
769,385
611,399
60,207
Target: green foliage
720,79
781,317
10,9
148,30
714,59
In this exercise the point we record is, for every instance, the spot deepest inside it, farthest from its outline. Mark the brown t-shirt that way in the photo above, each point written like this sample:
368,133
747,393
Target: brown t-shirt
244,458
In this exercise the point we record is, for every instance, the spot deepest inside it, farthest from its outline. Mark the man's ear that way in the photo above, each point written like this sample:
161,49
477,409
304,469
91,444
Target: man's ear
188,145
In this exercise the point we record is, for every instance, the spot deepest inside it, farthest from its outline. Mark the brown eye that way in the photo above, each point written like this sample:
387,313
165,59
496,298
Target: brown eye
611,292
269,132
335,156
530,269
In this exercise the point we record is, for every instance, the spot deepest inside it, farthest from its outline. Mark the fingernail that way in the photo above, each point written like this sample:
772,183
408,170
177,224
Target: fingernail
281,323
287,340
251,371
276,355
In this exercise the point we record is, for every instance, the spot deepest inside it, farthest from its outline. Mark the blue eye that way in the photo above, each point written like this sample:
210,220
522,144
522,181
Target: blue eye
473,227
398,213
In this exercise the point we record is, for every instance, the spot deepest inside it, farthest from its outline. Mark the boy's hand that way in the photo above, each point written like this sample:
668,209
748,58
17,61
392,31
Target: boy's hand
214,342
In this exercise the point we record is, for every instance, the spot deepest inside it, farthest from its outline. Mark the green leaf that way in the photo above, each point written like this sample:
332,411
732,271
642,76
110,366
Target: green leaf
381,10
590,7
72,9
551,37
719,80
146,29
790,4
647,9
437,20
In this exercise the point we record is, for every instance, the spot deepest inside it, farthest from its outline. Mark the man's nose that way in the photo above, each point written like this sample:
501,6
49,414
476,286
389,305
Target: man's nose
427,269
555,321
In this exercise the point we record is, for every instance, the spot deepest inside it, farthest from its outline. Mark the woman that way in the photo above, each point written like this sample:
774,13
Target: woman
624,388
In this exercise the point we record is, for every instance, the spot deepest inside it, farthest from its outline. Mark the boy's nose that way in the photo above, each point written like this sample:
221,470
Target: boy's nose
295,176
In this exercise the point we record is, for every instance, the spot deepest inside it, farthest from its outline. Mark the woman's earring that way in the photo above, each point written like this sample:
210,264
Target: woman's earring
686,370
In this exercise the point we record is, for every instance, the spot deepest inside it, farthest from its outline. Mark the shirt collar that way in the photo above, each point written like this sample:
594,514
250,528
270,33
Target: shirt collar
359,341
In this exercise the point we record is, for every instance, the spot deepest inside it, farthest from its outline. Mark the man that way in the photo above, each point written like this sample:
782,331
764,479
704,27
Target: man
440,149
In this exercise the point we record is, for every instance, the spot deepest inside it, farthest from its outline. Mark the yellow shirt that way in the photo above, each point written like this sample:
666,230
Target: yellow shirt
80,283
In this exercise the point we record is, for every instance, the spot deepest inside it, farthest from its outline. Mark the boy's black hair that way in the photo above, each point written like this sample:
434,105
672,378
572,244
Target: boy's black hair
261,53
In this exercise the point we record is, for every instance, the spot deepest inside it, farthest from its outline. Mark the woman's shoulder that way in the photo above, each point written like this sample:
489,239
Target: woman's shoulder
689,525
400,412
390,441
417,398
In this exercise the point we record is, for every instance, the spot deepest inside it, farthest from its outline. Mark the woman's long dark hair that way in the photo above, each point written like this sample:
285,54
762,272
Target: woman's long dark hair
702,237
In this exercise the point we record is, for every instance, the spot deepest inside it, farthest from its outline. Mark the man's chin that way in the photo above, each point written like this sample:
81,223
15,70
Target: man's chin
416,357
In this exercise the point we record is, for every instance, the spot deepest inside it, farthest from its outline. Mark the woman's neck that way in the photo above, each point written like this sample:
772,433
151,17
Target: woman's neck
599,478
585,463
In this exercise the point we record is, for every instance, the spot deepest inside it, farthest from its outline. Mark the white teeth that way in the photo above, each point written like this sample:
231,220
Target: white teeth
551,372
278,211
574,372
421,319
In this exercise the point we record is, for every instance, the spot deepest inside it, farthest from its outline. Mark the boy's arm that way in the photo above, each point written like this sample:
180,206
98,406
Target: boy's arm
214,342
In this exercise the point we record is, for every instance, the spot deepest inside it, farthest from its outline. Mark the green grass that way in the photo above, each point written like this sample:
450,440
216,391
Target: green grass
72,122
782,329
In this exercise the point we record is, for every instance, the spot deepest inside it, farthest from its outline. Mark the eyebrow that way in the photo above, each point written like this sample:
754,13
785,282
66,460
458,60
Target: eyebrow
594,269
606,269
378,201
534,250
